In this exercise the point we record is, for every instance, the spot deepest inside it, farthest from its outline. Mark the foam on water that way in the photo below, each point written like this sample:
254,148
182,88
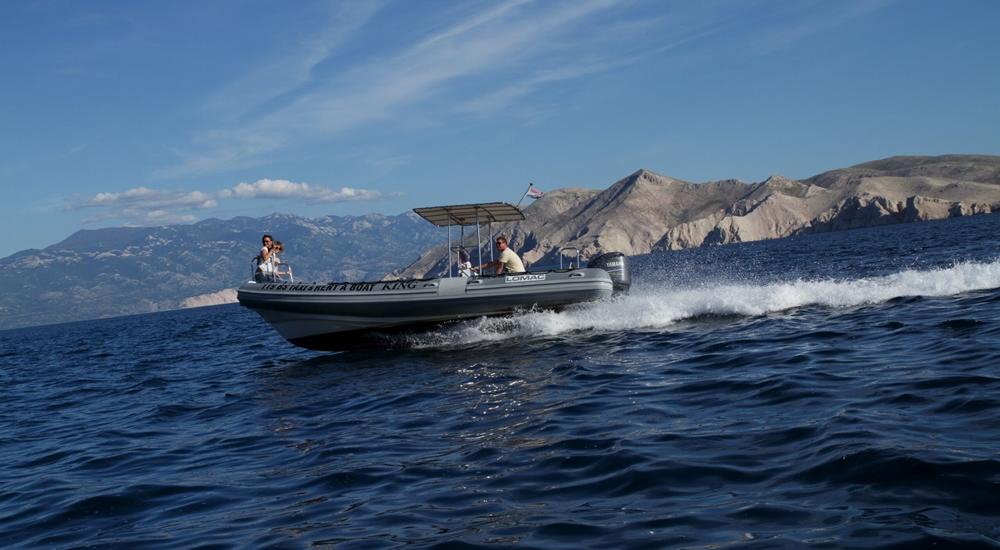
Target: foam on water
784,393
654,308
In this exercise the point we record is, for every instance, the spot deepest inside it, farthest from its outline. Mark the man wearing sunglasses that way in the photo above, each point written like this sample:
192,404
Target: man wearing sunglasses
508,262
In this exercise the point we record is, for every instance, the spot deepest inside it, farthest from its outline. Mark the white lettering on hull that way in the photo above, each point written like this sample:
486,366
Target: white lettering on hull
524,278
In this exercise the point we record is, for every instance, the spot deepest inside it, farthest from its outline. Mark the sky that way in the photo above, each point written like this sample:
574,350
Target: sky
116,113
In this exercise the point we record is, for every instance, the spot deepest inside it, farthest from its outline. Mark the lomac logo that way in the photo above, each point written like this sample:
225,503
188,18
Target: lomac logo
523,278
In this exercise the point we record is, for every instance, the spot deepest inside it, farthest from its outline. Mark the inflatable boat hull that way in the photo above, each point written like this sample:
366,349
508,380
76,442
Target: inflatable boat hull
339,316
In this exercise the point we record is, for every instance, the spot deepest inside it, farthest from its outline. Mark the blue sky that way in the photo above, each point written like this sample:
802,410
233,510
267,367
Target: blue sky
145,113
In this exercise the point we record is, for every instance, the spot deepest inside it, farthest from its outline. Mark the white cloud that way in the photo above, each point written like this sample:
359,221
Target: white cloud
145,206
143,197
284,189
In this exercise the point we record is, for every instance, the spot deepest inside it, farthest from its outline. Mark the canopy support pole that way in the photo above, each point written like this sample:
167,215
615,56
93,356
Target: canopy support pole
449,249
479,240
491,241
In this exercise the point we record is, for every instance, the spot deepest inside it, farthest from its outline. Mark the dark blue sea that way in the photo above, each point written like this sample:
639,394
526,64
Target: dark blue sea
827,391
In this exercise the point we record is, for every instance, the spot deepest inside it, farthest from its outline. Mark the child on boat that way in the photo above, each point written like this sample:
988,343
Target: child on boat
279,248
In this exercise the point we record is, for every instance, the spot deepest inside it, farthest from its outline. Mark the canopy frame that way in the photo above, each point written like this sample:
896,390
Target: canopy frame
470,214
464,215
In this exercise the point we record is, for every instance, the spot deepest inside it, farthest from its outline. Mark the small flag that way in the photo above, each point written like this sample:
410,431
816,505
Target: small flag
535,192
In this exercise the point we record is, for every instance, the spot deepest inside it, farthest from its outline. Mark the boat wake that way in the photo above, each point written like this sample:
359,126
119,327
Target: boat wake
653,308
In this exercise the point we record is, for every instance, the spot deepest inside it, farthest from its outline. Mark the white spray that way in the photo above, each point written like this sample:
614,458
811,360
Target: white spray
655,308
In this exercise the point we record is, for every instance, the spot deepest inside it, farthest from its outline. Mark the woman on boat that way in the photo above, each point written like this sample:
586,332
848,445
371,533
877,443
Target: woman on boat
265,267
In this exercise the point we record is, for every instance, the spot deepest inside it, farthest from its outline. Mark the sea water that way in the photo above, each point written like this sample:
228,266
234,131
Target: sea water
827,391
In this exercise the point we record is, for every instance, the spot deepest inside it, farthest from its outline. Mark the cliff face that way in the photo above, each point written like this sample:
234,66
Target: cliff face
894,190
646,211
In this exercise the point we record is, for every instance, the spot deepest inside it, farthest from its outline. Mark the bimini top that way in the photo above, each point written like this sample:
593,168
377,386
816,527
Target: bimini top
469,214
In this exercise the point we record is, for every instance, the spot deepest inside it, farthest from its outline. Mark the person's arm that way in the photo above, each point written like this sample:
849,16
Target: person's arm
481,267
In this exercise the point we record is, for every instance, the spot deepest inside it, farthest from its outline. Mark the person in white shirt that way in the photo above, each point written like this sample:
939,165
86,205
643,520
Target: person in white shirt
265,268
276,262
508,262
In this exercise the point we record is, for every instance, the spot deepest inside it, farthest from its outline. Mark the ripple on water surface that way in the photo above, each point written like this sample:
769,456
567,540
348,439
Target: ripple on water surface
807,393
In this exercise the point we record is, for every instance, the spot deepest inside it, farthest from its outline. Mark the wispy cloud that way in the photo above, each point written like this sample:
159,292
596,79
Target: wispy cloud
816,21
145,206
494,101
499,37
477,63
293,68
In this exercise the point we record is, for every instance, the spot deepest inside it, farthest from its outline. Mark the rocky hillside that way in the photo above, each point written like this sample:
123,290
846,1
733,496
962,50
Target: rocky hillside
120,271
646,211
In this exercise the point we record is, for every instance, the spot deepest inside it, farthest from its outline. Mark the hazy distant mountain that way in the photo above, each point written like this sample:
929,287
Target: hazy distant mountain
646,211
119,271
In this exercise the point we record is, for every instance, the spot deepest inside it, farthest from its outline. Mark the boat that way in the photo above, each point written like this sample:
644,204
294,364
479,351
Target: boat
334,316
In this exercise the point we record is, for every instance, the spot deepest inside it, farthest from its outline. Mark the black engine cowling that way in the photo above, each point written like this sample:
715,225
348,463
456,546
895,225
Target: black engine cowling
616,264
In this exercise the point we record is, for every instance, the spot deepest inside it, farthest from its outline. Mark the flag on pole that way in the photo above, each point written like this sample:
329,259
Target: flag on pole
532,192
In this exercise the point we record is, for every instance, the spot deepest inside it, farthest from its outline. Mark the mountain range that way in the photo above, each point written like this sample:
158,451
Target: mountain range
646,212
126,270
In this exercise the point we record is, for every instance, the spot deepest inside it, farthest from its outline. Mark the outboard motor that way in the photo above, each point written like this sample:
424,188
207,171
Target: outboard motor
616,264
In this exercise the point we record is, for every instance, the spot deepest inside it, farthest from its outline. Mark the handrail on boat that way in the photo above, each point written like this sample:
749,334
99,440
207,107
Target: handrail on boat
564,249
272,275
